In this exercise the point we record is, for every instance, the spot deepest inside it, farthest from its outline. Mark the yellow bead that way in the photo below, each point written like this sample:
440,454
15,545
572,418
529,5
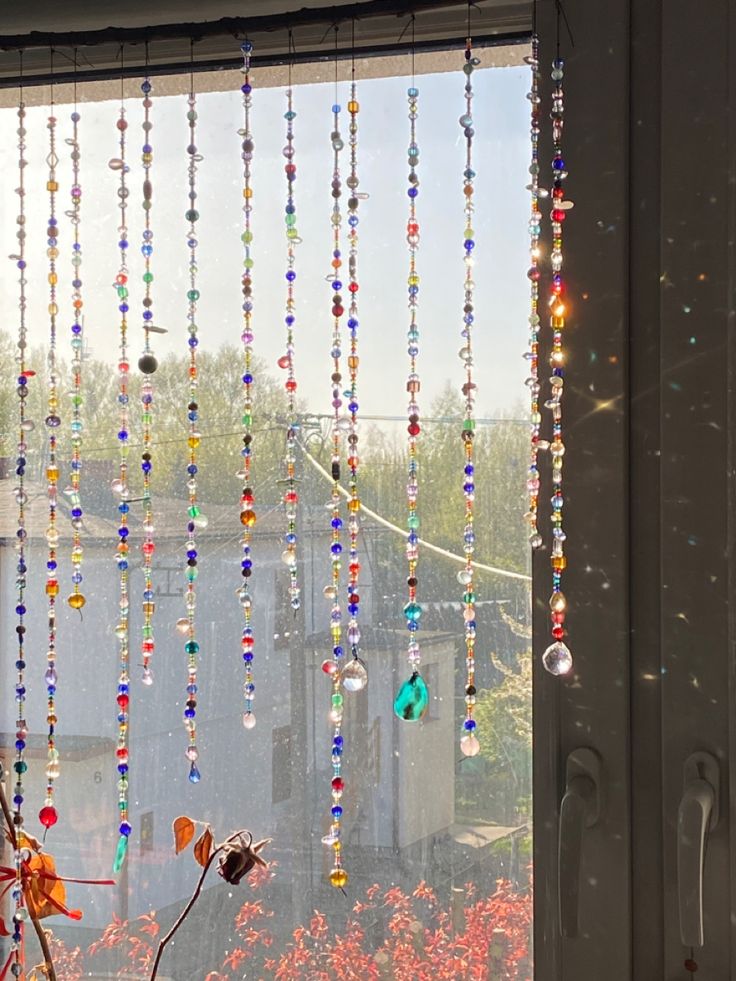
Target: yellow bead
354,504
339,877
76,601
52,588
52,473
52,185
247,192
53,279
248,518
559,562
193,442
353,106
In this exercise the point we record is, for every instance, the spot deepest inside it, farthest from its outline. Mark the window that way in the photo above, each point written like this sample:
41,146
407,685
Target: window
426,837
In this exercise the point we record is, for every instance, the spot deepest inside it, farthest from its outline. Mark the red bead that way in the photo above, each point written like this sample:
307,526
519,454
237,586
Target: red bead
290,385
558,617
290,168
123,700
329,667
337,310
353,287
291,497
558,633
354,598
148,548
558,214
148,646
413,429
690,965
48,816
283,361
122,754
338,784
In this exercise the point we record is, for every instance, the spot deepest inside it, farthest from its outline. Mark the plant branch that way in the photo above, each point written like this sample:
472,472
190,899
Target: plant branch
44,942
40,933
6,812
195,896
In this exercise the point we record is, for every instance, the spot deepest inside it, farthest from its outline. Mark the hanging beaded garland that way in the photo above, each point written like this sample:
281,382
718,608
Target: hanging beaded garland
48,815
247,497
147,364
355,676
413,697
195,518
469,741
120,488
24,427
557,659
76,599
340,423
534,274
286,361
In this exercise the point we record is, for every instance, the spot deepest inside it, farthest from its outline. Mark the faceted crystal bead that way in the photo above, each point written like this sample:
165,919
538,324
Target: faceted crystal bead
557,659
354,675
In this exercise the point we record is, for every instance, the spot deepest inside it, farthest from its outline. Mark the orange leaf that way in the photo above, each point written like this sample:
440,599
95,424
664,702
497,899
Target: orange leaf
203,847
45,893
183,833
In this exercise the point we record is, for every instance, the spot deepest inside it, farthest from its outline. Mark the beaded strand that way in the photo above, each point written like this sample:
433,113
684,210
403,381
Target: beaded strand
557,659
412,698
76,599
286,361
358,678
25,425
469,744
534,275
340,423
121,489
247,497
48,815
147,364
195,518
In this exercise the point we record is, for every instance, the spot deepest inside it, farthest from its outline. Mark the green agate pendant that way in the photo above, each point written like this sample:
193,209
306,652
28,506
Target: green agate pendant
412,699
120,853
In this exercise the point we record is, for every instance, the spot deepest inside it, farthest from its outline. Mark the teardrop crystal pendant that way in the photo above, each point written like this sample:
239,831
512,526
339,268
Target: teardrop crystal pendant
120,853
354,675
412,699
557,659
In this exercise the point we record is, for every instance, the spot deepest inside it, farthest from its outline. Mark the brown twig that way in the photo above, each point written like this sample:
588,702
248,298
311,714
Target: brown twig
195,896
44,942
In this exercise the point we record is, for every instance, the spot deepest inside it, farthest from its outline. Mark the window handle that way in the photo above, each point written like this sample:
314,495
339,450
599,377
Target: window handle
580,809
696,816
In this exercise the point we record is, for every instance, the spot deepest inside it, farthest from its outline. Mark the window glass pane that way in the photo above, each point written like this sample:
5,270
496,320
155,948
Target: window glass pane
438,848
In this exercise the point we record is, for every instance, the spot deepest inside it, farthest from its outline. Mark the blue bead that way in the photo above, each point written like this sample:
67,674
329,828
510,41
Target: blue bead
122,767
125,829
337,651
336,108
194,774
336,522
413,192
469,725
51,565
192,469
248,379
247,656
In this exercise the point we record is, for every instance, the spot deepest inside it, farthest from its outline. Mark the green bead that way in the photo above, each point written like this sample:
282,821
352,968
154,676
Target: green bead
122,292
413,521
120,853
246,237
148,277
191,647
193,295
290,220
20,766
337,700
193,511
192,215
412,699
247,419
468,597
468,425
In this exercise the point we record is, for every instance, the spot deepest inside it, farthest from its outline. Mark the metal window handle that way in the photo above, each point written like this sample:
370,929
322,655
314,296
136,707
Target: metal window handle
579,809
697,815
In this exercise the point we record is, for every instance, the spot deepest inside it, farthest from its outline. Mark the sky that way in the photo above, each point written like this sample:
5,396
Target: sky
502,204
